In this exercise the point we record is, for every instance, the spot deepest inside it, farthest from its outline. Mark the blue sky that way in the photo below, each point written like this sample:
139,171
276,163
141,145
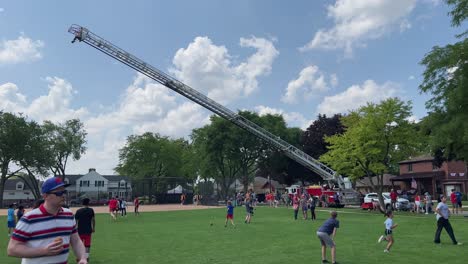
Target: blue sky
296,58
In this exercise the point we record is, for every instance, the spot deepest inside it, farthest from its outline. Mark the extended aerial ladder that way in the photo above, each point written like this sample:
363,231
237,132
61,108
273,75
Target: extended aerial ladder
84,35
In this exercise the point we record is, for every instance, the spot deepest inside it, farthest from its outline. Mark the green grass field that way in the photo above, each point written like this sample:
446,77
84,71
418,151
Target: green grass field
272,237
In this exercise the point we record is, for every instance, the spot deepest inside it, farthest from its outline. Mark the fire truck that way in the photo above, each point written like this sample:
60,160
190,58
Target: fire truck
319,192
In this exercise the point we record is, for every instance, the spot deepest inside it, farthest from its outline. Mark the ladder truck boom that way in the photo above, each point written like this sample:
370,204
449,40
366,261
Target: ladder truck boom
84,35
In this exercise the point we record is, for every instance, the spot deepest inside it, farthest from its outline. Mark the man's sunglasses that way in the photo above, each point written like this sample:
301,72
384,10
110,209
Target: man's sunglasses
59,193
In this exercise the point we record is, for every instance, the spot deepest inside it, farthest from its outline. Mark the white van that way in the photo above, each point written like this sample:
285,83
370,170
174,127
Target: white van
401,204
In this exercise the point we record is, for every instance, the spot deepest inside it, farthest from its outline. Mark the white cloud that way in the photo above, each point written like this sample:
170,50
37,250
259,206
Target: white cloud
293,119
356,96
411,77
55,106
2,9
145,106
208,68
178,122
358,21
10,98
310,81
19,50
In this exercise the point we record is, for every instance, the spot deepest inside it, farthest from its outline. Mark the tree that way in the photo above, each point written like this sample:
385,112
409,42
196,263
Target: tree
446,78
216,142
151,158
313,140
376,138
232,153
21,148
67,140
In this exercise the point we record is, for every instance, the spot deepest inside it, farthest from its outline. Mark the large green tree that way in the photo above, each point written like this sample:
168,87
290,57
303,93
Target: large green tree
446,79
232,153
23,151
153,160
313,142
376,138
67,140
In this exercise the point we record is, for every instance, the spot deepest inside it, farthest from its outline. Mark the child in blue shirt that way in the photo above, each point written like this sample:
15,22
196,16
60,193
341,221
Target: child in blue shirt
230,214
11,219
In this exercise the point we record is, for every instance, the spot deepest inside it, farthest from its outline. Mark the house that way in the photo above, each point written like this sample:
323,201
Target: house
263,185
363,185
96,186
16,191
421,174
92,185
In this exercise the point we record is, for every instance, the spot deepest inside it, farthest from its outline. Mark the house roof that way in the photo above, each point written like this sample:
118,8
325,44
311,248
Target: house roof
417,159
73,177
116,177
419,175
262,183
364,182
10,184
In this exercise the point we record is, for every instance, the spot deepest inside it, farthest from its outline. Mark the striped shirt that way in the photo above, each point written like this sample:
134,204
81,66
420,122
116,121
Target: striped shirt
38,228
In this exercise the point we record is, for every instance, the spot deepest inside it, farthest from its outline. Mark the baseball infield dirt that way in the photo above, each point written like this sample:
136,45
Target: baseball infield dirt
143,208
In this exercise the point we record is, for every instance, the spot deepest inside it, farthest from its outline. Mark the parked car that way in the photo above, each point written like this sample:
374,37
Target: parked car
401,204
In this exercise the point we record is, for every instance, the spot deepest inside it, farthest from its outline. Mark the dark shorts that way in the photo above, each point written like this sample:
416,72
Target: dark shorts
229,216
388,232
459,204
86,238
11,224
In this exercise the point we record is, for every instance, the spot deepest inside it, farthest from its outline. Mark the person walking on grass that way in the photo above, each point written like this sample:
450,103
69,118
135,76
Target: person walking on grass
230,214
443,214
388,234
11,219
45,234
326,234
453,200
295,205
113,204
248,209
312,208
123,207
86,225
459,196
19,213
136,203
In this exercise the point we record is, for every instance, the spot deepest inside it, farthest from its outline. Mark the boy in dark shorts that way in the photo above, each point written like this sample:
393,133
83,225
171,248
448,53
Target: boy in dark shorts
389,226
86,224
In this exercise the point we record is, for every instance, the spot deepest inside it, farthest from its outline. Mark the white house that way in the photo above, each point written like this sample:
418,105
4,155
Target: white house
92,185
96,186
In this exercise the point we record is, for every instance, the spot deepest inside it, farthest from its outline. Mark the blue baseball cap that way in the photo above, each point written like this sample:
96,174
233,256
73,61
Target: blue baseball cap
52,184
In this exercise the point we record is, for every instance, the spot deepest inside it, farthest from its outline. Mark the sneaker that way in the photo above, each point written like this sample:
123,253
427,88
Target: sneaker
380,239
459,244
386,251
324,261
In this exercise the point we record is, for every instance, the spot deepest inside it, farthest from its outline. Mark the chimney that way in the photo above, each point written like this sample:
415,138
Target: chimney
92,169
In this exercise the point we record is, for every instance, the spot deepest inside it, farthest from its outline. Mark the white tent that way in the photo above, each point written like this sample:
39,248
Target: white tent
178,189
